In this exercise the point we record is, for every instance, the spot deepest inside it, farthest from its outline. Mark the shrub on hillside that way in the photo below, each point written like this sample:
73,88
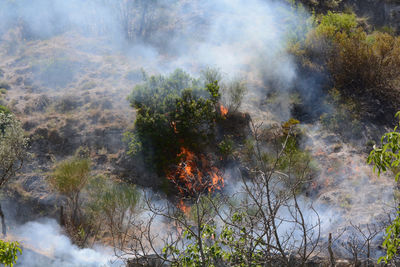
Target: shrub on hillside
69,178
362,67
172,111
4,109
366,64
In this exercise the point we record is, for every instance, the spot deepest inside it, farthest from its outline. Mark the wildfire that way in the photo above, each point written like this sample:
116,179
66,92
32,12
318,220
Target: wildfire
173,124
223,110
183,207
192,178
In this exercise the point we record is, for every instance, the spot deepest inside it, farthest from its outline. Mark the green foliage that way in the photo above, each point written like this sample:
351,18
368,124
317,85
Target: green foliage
9,252
234,237
217,248
392,240
191,256
387,158
70,176
366,64
107,197
232,92
320,43
226,146
294,160
111,207
334,23
172,111
4,109
13,146
361,69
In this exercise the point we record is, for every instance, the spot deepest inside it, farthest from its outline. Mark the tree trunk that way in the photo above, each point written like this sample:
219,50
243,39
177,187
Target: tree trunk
3,222
143,20
331,256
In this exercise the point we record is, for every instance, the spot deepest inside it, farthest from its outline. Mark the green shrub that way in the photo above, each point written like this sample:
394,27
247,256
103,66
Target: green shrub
333,23
112,206
172,111
366,64
69,178
109,198
70,175
9,252
226,146
362,67
4,109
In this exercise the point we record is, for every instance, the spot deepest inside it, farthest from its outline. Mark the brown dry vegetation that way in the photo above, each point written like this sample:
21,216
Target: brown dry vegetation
66,97
70,91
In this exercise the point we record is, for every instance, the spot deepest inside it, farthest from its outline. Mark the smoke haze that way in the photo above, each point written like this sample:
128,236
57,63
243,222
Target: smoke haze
45,245
245,38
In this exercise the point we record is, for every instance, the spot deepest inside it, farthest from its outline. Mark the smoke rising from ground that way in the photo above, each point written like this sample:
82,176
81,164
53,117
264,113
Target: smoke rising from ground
241,38
44,244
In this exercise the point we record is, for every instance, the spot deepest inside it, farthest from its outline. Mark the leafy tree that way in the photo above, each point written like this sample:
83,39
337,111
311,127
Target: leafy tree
387,158
69,178
172,111
9,252
13,145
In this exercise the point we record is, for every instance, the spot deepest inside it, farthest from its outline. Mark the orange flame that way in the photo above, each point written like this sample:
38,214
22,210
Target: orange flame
183,207
191,179
223,110
173,124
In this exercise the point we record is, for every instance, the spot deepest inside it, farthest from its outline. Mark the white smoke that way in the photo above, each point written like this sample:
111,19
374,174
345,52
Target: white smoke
245,38
45,244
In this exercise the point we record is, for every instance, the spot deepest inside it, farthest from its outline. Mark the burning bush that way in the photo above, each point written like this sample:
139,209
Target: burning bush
194,175
173,112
